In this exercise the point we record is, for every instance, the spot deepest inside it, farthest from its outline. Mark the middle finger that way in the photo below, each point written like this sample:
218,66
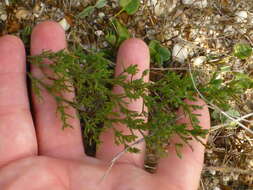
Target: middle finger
52,140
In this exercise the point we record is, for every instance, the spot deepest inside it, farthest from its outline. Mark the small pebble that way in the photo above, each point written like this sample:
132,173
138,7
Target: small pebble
213,172
162,5
152,2
229,29
180,53
101,15
196,3
241,16
171,5
250,161
226,178
105,44
22,14
3,17
114,5
64,23
99,33
159,9
7,3
250,18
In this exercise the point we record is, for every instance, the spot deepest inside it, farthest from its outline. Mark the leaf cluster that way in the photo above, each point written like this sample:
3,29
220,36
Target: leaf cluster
220,92
91,74
242,51
159,54
117,33
90,9
130,6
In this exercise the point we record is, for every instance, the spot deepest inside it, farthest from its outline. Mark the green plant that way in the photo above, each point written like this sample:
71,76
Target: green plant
130,6
159,54
25,35
91,75
90,9
119,33
95,101
242,51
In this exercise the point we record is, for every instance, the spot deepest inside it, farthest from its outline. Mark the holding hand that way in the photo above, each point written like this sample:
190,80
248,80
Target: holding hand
38,155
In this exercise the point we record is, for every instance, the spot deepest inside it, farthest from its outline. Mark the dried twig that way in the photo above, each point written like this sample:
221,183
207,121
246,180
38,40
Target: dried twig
118,155
183,69
216,107
216,127
224,169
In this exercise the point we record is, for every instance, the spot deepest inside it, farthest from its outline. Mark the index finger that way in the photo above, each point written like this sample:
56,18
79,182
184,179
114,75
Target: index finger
184,172
17,134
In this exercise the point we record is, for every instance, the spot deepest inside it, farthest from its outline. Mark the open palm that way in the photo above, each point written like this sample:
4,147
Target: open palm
35,154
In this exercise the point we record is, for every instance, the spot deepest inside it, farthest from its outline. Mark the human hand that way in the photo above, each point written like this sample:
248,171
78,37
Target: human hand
35,154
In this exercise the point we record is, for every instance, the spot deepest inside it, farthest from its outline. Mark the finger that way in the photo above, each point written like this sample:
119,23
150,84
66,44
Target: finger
53,141
185,172
17,134
131,52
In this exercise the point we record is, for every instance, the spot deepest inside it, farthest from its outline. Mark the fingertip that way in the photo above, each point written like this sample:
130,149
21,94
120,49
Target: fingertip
134,51
135,43
12,40
47,35
12,54
11,43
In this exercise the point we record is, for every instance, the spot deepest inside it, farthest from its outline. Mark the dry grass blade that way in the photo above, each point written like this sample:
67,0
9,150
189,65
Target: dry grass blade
216,107
216,127
117,157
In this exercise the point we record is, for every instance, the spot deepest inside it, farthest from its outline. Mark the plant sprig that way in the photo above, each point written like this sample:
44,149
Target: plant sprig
92,76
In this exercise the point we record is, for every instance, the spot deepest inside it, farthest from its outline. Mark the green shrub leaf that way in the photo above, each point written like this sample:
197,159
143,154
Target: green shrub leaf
159,54
130,6
178,148
86,12
121,30
100,4
90,9
111,38
242,51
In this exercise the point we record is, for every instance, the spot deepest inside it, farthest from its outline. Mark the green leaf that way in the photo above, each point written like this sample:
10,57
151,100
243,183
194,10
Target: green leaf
164,52
242,81
100,3
111,38
152,47
132,70
145,72
159,53
86,12
242,51
158,59
178,148
225,68
121,30
133,150
124,3
130,6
